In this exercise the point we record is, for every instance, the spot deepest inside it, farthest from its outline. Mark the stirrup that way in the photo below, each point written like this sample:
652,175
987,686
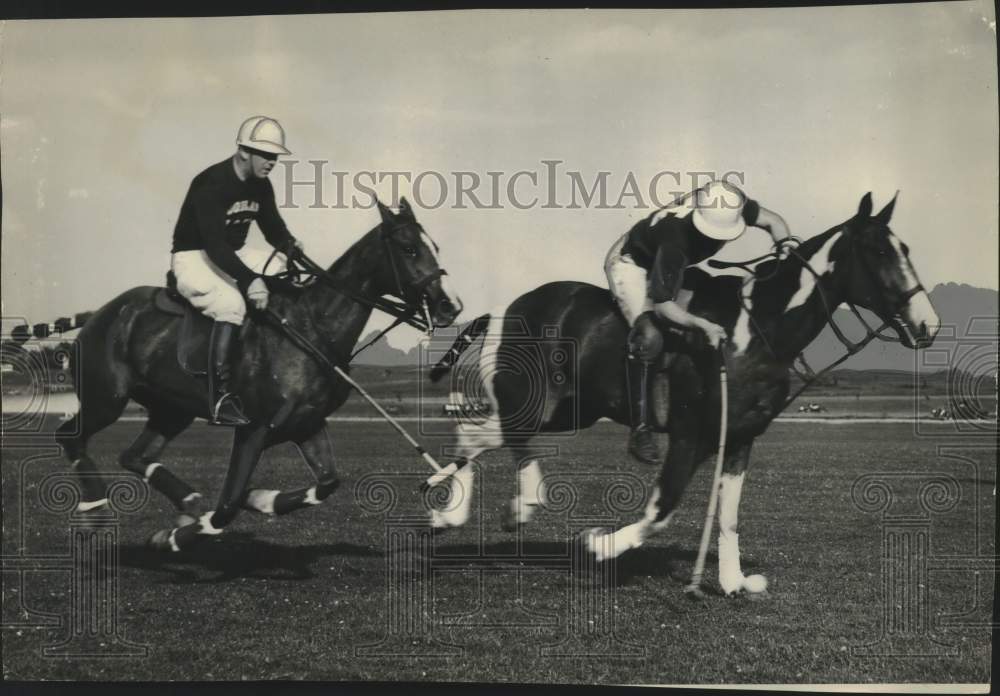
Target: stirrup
227,412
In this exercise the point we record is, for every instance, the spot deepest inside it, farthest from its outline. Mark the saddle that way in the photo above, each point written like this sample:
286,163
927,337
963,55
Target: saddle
196,328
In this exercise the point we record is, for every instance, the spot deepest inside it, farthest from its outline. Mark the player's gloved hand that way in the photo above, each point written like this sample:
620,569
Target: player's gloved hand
258,293
785,246
714,334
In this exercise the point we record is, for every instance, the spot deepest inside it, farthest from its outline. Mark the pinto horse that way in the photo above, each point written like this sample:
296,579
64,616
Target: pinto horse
128,349
770,316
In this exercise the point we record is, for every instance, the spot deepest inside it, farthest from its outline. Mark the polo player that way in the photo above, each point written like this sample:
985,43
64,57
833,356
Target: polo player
213,267
645,270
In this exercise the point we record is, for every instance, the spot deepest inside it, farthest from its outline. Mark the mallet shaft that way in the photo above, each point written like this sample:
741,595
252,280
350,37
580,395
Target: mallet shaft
392,421
713,498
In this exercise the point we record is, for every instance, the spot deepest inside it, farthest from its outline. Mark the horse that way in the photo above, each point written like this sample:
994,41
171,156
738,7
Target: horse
770,316
129,349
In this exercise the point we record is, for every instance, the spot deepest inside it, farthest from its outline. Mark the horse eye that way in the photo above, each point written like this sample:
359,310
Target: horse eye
410,251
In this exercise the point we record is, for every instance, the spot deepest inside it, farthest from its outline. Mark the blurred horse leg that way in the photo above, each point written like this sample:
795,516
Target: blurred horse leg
143,458
317,453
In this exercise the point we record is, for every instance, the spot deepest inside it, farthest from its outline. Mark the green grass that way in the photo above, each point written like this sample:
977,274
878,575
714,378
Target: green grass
295,597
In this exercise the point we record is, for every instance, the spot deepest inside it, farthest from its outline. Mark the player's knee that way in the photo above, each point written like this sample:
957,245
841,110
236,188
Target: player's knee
229,307
645,342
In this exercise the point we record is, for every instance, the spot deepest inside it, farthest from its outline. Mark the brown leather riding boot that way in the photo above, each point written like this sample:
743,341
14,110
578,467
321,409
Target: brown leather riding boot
224,407
641,441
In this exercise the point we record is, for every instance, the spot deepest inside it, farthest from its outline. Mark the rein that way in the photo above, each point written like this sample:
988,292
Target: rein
807,374
305,271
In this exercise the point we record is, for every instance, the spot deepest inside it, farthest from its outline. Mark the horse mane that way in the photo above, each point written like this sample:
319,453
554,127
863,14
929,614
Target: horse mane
351,252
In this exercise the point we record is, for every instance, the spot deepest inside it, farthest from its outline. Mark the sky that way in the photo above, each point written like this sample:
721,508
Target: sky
103,123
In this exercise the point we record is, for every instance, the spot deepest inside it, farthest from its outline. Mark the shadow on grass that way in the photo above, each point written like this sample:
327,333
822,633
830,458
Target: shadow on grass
240,555
671,561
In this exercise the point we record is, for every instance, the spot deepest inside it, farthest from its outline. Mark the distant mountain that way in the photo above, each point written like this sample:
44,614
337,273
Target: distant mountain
382,354
967,340
968,332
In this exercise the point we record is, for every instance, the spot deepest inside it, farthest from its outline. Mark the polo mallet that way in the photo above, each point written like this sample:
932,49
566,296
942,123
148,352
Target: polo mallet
440,473
693,589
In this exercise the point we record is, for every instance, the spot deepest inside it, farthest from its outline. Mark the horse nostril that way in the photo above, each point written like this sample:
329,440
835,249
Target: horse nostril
446,306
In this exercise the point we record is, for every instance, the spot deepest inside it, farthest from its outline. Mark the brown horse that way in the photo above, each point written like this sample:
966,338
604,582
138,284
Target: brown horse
555,361
128,349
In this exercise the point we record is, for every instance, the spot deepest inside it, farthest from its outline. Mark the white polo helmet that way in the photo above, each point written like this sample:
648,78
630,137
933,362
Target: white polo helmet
264,134
719,211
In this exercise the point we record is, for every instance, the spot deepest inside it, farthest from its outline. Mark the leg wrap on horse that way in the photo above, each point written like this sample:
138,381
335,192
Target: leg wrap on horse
92,486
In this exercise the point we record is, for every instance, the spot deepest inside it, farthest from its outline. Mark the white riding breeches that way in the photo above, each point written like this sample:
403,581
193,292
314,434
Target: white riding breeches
628,282
210,289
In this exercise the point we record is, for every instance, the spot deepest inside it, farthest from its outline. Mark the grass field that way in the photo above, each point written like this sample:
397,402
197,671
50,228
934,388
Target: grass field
298,597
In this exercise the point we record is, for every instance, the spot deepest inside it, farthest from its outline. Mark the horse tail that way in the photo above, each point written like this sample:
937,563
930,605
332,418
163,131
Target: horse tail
474,330
24,332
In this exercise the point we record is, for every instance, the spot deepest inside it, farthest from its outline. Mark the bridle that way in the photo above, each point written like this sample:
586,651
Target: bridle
417,286
409,306
806,373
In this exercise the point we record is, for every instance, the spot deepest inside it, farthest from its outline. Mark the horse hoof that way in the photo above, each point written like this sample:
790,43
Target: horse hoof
160,541
593,545
695,593
508,522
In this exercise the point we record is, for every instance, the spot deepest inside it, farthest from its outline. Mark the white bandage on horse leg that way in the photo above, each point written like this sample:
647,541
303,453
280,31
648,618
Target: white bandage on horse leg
150,469
730,573
634,535
310,498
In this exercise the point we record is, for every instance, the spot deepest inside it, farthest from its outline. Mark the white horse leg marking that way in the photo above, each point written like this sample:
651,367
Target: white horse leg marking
460,502
730,574
821,263
612,545
263,501
531,493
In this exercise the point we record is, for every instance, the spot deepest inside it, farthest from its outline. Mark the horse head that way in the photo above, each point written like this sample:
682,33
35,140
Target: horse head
410,269
882,279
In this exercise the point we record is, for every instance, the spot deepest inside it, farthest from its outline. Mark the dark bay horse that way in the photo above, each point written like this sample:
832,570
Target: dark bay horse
770,316
128,349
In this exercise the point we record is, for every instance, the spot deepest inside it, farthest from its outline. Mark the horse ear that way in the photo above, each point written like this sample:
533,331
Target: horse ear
886,212
387,215
405,211
865,207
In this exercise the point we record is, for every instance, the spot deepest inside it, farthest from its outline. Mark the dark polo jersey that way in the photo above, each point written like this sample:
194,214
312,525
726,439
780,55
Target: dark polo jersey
670,245
216,216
